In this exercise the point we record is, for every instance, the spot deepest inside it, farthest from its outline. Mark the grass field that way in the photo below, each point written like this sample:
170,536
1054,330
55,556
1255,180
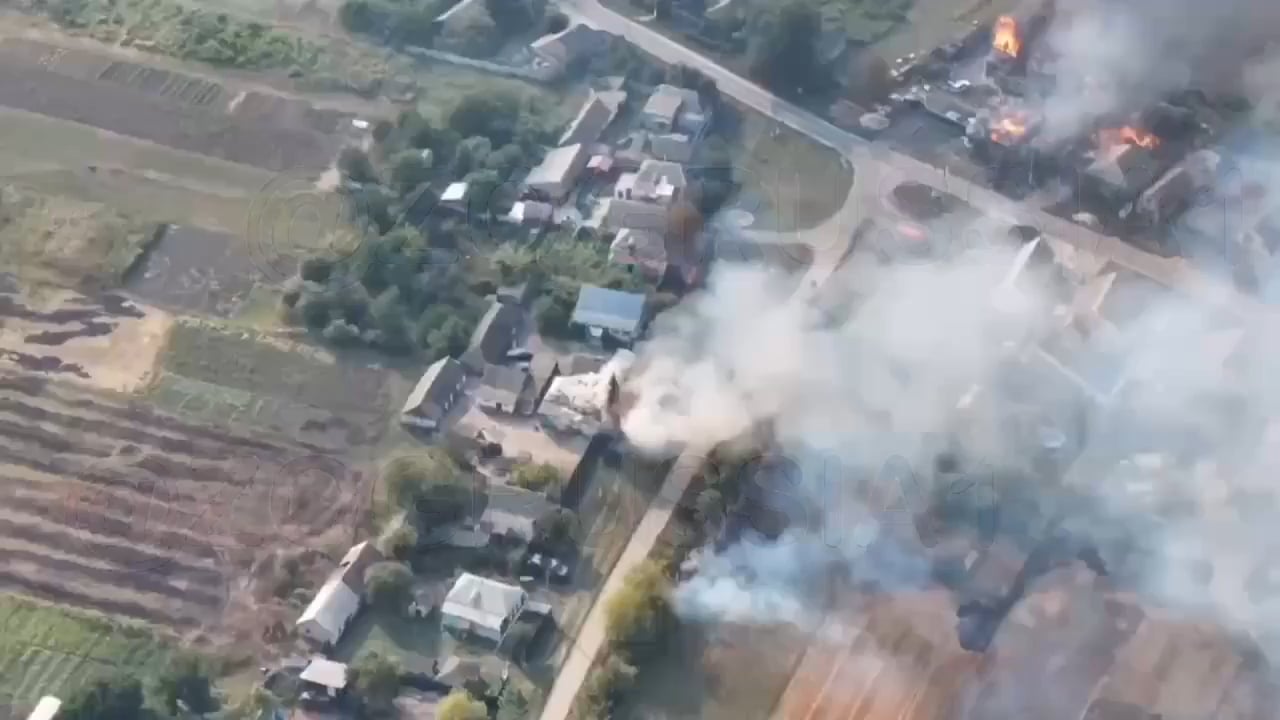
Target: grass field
77,242
238,360
46,650
789,181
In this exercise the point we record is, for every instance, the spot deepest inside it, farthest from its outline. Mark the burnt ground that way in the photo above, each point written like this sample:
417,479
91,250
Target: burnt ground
109,505
171,109
195,270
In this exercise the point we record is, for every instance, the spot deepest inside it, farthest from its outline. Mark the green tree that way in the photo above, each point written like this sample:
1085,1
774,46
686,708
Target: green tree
356,165
113,698
505,160
536,476
487,114
514,704
316,269
452,338
557,530
554,310
400,542
710,506
785,55
186,679
375,680
637,615
430,484
409,169
460,705
510,16
388,315
605,687
389,585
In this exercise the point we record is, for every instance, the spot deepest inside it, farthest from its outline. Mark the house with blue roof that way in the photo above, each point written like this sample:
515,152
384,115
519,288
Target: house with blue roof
619,314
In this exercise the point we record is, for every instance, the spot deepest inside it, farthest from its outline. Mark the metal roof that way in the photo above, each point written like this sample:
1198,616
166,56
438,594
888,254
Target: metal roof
326,673
556,165
483,602
609,309
437,383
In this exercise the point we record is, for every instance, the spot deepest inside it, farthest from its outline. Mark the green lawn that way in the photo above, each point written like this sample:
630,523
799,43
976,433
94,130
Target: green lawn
416,642
793,182
45,650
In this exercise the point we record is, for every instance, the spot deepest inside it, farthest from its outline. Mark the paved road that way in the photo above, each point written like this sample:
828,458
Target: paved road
591,638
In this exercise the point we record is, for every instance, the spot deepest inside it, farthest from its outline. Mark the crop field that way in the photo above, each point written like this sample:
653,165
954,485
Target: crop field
116,507
51,651
194,270
170,109
893,657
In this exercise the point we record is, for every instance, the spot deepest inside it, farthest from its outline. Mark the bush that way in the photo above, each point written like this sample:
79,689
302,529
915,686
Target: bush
537,477
637,616
606,686
460,705
375,680
389,585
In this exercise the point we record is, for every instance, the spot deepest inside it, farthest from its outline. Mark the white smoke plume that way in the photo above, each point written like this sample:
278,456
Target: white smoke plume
1118,56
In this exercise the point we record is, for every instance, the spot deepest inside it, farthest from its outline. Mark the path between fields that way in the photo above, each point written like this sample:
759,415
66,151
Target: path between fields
592,637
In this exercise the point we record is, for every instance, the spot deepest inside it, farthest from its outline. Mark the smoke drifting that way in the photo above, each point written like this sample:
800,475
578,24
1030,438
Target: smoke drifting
1118,56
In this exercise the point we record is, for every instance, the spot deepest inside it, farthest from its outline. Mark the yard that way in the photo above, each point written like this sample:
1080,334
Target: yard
416,642
789,182
50,651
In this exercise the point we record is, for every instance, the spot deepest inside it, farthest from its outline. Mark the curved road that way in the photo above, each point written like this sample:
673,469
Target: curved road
877,170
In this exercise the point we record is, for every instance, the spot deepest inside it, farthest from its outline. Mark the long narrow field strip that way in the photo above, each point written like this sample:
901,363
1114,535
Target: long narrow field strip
51,651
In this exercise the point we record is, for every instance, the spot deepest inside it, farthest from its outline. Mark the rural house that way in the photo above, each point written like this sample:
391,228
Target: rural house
618,213
433,396
483,607
501,388
672,108
574,44
643,249
601,310
329,676
494,335
511,512
596,115
581,402
555,176
340,598
656,181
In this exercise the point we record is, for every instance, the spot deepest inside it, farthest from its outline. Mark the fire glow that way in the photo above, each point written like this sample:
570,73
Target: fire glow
1127,135
1006,37
1010,127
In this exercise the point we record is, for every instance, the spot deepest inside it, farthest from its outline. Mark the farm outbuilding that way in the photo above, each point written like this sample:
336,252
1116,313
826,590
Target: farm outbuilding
339,599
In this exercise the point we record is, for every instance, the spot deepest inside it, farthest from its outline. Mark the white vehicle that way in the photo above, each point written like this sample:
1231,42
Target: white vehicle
959,84
953,116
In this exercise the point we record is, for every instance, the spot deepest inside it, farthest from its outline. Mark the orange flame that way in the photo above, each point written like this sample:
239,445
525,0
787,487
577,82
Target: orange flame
1011,126
1127,135
1006,37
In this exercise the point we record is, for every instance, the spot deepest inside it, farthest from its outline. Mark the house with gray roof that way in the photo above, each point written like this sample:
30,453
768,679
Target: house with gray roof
501,388
573,44
494,335
511,512
559,170
671,109
433,396
601,310
595,116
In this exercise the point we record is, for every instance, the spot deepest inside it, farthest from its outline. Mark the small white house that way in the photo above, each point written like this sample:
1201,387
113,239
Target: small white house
330,675
339,599
482,606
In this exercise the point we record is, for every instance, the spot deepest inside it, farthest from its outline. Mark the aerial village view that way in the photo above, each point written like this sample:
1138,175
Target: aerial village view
639,359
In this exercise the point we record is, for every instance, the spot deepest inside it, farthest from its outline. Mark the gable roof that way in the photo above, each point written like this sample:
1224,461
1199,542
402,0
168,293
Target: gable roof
325,673
46,709
430,397
556,165
481,601
609,309
492,337
512,509
670,100
502,384
654,175
352,567
332,606
572,43
597,113
617,213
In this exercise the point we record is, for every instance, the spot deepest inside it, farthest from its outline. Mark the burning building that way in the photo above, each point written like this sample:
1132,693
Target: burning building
1012,42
